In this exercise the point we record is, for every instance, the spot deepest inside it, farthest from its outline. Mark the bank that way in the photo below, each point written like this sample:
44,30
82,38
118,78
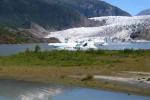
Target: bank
79,68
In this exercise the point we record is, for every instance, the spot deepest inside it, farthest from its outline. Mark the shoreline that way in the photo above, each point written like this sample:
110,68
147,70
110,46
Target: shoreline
109,70
102,82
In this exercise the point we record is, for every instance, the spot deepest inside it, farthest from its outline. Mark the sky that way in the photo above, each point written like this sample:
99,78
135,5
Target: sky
131,6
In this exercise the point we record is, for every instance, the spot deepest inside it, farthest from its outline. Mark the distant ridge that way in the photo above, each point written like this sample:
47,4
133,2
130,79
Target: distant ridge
145,12
95,8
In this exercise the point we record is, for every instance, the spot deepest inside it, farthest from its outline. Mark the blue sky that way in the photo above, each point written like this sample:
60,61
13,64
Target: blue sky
131,6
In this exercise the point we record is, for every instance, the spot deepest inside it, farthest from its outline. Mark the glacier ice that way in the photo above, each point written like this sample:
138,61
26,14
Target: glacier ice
118,28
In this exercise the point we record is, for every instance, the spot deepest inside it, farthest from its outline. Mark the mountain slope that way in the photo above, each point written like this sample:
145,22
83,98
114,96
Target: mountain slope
95,8
11,36
53,15
145,12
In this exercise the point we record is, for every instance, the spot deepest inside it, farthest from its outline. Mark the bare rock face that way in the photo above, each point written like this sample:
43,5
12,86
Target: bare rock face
33,35
53,40
37,30
144,33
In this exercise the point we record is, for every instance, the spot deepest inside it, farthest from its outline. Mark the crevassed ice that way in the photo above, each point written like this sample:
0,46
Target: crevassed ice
119,27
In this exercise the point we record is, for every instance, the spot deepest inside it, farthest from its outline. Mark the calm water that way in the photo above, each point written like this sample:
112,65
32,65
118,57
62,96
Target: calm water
20,90
13,49
16,48
121,46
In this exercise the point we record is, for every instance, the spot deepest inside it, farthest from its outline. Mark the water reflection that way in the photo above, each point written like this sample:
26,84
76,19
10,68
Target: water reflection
19,90
43,94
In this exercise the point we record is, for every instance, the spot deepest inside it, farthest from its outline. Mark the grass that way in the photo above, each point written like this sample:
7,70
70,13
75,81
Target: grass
57,66
118,60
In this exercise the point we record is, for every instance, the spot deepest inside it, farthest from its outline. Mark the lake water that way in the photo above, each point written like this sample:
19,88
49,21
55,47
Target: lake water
15,48
21,90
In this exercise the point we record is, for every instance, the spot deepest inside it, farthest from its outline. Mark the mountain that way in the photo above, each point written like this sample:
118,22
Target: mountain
118,28
53,14
29,18
95,8
21,13
145,12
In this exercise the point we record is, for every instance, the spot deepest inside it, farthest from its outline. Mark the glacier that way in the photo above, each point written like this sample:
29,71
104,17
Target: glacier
118,28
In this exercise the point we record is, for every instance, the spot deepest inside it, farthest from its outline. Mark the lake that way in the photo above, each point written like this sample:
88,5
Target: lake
16,48
9,49
22,90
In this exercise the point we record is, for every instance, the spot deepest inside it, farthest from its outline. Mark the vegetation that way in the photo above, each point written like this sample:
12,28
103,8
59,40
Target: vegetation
64,66
10,36
47,13
111,60
54,14
37,49
98,8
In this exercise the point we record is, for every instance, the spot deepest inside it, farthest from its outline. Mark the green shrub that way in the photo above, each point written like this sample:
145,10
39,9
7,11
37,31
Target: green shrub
37,48
27,50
